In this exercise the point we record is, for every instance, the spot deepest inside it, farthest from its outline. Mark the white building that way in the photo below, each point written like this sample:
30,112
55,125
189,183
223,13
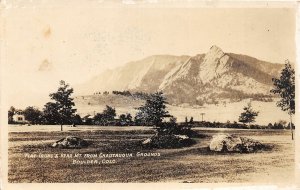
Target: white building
19,117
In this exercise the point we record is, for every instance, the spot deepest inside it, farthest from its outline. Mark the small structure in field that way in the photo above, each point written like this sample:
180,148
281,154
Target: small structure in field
88,119
70,142
233,143
19,117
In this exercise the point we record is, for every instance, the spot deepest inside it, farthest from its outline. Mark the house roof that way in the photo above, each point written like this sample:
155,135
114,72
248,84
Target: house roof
88,117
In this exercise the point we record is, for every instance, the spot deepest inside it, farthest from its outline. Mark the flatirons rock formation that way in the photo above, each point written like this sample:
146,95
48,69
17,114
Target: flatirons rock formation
203,78
143,75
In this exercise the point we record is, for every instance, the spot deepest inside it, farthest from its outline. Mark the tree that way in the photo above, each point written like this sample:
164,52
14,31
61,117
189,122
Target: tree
11,113
63,103
285,88
128,118
122,118
106,117
173,119
33,115
154,110
99,119
125,119
109,113
51,114
248,116
192,120
186,119
77,120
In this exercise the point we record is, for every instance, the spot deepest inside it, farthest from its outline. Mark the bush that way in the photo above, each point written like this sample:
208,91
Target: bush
169,141
77,120
270,126
107,117
278,126
172,128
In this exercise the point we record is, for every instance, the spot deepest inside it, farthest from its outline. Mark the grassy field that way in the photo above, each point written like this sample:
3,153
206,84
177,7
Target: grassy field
192,164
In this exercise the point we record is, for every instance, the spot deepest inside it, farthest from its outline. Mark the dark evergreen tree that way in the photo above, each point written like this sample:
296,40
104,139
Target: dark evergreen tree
154,110
109,113
248,116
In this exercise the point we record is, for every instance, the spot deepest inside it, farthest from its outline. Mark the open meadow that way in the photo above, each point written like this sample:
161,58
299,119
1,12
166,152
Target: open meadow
30,157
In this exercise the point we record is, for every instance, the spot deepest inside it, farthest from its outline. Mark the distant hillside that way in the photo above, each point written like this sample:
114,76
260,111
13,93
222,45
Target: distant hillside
143,75
92,104
111,100
204,78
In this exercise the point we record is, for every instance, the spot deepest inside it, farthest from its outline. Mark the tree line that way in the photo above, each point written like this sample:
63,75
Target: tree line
61,111
152,113
140,95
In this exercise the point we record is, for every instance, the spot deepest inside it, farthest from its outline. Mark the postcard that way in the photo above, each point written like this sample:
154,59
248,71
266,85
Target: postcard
124,94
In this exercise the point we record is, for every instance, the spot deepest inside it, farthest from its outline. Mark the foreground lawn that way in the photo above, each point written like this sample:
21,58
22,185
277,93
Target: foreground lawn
193,164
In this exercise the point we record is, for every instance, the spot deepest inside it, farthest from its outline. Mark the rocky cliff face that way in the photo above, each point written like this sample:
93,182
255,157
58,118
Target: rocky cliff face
185,79
215,64
143,75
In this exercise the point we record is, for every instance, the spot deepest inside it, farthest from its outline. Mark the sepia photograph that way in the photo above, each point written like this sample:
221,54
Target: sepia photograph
148,92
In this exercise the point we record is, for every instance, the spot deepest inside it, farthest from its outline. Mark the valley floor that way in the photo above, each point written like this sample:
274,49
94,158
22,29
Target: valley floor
192,164
268,111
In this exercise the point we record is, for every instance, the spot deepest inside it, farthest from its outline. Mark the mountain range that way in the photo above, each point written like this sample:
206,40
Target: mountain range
203,78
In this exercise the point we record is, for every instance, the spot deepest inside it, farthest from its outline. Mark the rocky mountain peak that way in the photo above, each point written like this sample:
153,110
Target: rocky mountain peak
214,64
215,51
189,78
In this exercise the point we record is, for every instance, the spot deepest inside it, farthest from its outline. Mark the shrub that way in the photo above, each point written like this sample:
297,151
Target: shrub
169,141
277,126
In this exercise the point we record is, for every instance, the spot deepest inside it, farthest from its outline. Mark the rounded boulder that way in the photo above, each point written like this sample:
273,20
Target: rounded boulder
233,143
70,142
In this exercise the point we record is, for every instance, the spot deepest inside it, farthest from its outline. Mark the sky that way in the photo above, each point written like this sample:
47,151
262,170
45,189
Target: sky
44,44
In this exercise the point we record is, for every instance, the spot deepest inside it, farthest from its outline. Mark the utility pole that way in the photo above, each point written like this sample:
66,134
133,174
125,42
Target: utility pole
202,114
